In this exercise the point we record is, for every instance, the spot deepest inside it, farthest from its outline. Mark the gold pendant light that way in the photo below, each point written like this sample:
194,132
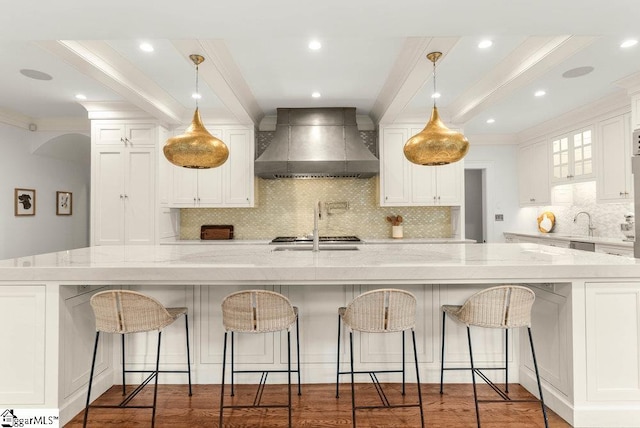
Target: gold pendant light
436,144
196,148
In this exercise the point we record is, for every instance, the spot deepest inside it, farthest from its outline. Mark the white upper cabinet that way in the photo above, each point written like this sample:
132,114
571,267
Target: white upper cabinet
533,174
572,157
230,185
614,180
125,134
403,183
123,183
635,112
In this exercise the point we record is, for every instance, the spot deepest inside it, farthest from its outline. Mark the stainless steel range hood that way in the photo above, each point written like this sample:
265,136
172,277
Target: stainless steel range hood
316,142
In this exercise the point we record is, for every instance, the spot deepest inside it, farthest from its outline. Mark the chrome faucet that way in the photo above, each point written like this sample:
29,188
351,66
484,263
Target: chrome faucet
591,228
316,234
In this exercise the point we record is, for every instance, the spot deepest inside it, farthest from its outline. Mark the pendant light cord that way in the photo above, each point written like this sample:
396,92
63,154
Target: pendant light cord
434,85
197,97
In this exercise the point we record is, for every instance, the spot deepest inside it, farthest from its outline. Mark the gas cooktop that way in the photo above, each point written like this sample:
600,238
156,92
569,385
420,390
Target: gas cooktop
308,240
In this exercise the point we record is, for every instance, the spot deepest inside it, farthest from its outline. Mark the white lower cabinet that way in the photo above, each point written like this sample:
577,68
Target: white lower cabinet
22,373
613,341
550,322
78,338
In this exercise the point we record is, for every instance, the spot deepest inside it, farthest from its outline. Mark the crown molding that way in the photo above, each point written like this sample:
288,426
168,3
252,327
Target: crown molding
616,103
100,61
16,119
631,83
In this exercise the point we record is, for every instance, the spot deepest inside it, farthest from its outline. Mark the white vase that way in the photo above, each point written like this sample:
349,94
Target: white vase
396,232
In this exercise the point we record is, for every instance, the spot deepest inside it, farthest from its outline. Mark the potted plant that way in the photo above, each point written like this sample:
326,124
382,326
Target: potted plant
396,226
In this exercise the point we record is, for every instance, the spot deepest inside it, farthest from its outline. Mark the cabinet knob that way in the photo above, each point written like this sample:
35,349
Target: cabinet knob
532,199
121,196
622,193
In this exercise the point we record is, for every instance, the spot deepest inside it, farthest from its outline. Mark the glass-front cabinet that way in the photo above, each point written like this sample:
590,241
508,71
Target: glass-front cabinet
572,156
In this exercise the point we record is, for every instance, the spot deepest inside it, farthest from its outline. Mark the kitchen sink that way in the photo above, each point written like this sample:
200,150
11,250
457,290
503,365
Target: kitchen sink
322,248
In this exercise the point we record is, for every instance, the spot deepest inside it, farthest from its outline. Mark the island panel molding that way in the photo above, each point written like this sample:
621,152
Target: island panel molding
198,276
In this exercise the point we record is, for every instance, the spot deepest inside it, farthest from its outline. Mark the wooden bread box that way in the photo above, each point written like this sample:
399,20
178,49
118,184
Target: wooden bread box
216,231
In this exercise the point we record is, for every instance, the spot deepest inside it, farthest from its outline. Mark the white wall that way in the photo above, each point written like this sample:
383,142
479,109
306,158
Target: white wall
57,170
500,164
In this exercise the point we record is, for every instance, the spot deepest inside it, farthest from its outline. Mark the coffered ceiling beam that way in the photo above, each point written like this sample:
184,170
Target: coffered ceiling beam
528,62
220,72
408,75
100,61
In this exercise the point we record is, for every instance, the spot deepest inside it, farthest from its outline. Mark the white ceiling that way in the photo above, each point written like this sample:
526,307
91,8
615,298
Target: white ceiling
373,57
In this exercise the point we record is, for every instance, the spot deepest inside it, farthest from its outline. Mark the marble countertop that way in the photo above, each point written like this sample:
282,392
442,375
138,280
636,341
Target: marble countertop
364,241
370,264
594,239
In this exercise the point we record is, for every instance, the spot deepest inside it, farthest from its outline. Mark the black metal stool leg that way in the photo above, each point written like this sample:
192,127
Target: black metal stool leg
155,388
403,365
186,327
506,360
93,365
289,374
535,365
473,377
298,352
224,363
444,318
338,359
415,358
353,387
232,366
124,368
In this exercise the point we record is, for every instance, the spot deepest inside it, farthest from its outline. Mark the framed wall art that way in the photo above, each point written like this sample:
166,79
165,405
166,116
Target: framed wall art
64,203
24,202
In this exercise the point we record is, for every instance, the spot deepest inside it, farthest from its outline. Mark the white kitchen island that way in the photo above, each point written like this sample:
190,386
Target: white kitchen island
586,319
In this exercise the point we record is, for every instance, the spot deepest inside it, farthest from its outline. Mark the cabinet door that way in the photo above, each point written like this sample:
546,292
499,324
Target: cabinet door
140,135
238,179
395,174
423,180
533,174
108,133
139,199
210,187
108,196
185,187
449,183
614,154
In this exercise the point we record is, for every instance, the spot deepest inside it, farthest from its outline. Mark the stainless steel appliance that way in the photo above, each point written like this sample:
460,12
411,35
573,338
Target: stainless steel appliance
635,169
315,143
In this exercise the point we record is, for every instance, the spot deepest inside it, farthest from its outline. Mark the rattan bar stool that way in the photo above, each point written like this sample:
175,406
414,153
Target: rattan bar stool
505,307
380,311
124,312
258,311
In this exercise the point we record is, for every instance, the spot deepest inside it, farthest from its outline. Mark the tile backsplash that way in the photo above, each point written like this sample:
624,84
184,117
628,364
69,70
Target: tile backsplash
571,199
285,208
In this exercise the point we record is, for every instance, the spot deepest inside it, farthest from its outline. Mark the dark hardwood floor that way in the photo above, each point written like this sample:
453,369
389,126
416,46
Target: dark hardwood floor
318,407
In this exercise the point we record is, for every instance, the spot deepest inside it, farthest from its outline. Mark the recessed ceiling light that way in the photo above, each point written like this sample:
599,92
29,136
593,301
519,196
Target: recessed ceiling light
491,120
628,43
35,74
485,44
436,95
316,95
577,72
196,96
540,93
147,47
314,45
81,97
